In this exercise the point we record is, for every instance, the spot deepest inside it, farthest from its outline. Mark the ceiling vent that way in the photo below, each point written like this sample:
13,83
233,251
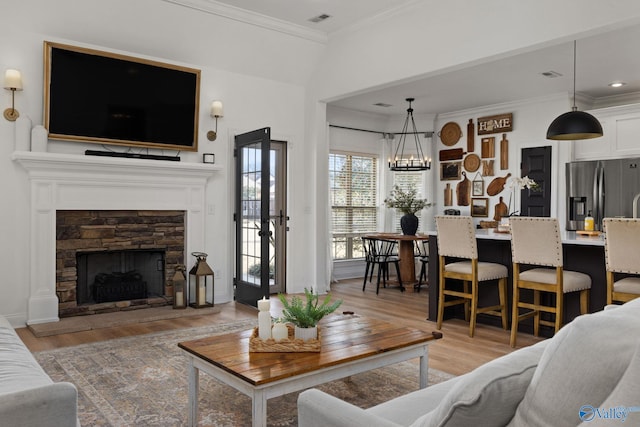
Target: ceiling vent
319,18
382,104
551,74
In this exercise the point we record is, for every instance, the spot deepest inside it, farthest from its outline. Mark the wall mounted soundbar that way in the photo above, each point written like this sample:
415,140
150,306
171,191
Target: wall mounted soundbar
131,155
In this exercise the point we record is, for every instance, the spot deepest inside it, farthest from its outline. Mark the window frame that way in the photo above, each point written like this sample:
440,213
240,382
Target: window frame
351,238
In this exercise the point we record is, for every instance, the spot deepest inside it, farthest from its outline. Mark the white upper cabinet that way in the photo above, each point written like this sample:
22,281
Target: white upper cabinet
621,127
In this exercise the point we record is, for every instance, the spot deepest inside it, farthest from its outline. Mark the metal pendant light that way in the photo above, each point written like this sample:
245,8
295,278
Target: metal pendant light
402,163
575,124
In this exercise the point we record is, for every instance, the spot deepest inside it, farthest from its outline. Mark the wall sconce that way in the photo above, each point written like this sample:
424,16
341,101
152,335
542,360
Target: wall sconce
216,112
12,82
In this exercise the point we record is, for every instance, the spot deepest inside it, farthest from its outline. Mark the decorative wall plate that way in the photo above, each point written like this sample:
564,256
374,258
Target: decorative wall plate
450,134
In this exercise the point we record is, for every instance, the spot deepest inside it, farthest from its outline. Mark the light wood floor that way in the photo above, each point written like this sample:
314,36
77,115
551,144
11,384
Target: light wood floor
455,353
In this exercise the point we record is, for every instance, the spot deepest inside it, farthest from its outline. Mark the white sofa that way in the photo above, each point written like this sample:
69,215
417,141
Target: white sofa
28,397
587,374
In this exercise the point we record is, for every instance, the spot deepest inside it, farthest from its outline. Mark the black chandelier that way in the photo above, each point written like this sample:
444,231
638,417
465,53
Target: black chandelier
416,161
574,125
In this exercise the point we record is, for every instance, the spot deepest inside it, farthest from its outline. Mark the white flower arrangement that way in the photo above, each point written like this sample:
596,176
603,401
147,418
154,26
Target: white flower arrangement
520,184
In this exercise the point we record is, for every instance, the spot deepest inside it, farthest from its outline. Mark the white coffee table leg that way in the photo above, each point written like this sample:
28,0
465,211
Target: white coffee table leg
424,370
193,377
259,410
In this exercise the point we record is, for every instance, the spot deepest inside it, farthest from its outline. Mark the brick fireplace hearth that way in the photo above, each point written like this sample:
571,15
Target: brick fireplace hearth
90,231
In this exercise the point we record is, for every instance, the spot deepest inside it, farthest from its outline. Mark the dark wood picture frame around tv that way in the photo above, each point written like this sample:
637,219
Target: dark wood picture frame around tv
108,98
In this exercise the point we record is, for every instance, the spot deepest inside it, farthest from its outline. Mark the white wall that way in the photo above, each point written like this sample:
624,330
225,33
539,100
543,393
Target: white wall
259,87
530,121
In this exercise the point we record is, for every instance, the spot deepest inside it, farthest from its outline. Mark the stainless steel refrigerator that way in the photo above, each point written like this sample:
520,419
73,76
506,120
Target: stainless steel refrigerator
606,188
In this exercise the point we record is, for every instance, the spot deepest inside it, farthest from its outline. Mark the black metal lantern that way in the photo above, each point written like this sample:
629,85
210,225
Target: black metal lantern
199,279
179,288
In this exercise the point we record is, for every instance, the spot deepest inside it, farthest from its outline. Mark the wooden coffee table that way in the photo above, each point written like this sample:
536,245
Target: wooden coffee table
350,345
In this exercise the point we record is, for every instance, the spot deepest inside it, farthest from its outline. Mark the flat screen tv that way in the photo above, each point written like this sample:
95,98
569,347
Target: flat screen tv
107,98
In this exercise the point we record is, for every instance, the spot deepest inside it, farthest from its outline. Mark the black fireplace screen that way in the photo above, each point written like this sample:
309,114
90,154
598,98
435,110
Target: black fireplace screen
119,275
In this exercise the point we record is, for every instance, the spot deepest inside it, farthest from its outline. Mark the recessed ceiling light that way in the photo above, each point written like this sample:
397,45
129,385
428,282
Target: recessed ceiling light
617,84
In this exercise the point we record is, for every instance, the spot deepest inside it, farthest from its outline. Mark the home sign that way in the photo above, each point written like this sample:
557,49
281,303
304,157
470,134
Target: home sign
495,124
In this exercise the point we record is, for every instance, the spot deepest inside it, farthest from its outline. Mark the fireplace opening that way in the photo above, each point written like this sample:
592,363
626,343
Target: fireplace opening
110,276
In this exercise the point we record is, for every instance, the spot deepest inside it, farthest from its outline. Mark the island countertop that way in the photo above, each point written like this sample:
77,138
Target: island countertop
568,237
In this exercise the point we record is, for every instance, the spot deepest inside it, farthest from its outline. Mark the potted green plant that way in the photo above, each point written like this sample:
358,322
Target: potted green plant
305,314
408,203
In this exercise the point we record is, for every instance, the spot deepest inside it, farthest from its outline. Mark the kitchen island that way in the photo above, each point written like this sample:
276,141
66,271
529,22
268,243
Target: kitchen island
580,253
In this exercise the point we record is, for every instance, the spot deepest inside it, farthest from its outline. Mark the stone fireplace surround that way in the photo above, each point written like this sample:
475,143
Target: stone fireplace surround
77,182
99,232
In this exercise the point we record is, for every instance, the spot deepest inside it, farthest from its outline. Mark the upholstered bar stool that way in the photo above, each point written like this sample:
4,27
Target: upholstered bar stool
536,241
456,238
622,255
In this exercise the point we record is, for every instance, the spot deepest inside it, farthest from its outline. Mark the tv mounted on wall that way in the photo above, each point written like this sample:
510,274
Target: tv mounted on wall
108,98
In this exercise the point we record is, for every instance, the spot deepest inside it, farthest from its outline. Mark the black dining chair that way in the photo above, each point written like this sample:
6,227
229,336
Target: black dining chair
422,254
380,252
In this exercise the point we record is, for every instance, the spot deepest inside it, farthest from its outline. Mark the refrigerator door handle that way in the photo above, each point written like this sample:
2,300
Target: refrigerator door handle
601,196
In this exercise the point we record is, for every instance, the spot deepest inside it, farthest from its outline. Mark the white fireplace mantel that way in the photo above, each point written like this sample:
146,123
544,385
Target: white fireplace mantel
77,182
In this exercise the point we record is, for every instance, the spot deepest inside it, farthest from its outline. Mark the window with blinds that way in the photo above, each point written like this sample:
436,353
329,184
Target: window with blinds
406,180
353,184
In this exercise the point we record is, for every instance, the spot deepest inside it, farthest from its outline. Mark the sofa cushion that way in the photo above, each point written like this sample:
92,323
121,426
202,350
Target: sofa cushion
582,364
626,395
489,393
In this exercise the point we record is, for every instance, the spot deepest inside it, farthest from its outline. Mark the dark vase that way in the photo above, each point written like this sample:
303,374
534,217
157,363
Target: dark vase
409,224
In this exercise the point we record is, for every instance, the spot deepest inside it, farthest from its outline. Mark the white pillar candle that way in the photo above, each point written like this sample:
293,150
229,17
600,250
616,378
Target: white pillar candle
264,325
201,294
280,332
264,304
179,298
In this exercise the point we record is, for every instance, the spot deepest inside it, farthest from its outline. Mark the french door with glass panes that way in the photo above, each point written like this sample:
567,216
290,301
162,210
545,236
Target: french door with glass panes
261,218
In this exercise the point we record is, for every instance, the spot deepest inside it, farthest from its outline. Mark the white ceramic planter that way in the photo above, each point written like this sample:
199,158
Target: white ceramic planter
306,334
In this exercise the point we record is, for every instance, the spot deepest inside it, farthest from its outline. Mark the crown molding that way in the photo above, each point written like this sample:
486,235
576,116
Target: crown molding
252,18
617,100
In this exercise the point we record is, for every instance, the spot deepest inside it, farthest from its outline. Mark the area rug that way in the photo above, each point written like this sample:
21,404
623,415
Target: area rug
142,380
